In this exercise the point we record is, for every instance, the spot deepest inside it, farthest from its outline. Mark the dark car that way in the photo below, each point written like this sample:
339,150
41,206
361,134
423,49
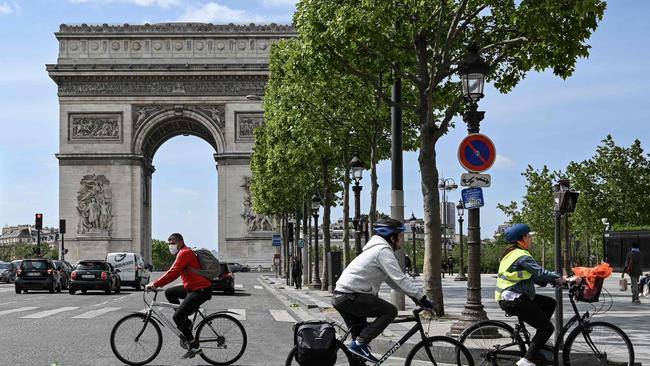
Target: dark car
237,267
37,274
65,270
94,275
225,281
7,272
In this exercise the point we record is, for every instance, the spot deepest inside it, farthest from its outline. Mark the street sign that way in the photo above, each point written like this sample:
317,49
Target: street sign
277,240
475,180
301,243
472,197
476,153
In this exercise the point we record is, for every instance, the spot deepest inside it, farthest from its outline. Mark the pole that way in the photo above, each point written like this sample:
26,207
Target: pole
317,282
559,316
38,242
305,252
567,244
62,251
444,224
357,217
461,271
414,268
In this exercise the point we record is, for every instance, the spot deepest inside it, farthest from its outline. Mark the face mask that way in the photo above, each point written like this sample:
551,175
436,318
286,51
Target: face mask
173,249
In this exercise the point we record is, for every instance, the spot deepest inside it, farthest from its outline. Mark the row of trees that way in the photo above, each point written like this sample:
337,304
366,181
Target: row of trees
328,95
613,184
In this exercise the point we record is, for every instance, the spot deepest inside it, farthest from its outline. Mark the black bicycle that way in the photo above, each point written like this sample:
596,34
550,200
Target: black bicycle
493,342
436,350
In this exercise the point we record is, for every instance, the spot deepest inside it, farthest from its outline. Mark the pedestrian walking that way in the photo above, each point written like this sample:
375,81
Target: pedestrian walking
296,272
407,264
443,267
633,268
450,265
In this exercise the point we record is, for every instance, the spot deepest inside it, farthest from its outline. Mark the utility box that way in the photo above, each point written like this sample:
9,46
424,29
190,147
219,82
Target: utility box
334,268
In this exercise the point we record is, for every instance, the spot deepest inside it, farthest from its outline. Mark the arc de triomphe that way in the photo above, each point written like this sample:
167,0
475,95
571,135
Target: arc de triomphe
125,90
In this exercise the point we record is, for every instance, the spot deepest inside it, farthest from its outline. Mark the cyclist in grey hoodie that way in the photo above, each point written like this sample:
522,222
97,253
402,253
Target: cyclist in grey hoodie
355,296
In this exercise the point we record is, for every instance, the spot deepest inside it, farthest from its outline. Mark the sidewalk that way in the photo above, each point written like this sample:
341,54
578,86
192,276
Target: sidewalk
634,319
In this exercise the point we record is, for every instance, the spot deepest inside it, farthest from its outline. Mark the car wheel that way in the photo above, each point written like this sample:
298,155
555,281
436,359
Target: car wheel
18,290
25,290
107,291
51,287
230,291
71,290
84,291
118,286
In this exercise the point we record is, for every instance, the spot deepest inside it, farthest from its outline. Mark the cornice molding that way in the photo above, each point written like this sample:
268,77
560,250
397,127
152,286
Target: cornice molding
175,28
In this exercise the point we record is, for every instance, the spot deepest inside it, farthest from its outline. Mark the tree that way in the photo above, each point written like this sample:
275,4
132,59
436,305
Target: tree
423,42
160,256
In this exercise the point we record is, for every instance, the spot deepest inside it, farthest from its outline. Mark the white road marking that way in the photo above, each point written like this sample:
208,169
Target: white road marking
5,303
95,313
27,308
258,287
241,314
101,303
120,298
281,316
46,313
239,286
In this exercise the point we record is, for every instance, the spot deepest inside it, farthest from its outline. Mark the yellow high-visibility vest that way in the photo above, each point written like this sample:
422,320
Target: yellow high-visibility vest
507,279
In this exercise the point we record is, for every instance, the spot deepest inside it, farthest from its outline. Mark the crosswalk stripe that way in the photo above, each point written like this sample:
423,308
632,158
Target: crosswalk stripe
95,313
241,314
27,308
46,313
258,287
239,286
282,316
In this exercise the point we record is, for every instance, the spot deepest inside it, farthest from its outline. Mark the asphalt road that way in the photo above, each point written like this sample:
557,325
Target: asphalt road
40,328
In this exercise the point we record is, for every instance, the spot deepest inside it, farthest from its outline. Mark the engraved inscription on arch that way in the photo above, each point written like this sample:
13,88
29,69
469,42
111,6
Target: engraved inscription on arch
95,127
245,124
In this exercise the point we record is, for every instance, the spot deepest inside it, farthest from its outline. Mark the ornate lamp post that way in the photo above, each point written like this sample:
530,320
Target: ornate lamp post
413,222
445,185
472,74
315,206
357,174
461,272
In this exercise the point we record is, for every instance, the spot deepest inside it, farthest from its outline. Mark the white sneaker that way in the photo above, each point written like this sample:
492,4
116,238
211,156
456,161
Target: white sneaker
524,362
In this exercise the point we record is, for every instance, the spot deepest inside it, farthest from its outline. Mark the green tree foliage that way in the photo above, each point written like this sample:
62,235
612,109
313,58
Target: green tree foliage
161,257
428,40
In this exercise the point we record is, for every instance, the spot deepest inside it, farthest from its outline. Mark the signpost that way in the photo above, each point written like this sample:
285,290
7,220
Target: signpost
301,243
277,240
476,153
472,197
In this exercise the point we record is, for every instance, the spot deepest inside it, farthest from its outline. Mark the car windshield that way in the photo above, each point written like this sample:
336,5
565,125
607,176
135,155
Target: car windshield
98,266
5,265
34,265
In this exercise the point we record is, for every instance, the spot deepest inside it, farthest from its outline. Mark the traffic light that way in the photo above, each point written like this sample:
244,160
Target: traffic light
62,226
39,221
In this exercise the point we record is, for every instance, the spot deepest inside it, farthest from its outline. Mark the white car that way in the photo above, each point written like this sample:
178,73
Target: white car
133,270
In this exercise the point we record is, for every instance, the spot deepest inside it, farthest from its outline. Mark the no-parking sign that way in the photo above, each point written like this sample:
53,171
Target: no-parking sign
476,153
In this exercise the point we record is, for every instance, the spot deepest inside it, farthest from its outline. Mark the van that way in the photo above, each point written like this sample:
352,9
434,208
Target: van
133,271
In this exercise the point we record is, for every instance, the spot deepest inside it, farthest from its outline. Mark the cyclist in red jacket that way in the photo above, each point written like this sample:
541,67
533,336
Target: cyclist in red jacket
194,291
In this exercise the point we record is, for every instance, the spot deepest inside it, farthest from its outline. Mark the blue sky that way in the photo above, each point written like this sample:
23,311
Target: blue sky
545,120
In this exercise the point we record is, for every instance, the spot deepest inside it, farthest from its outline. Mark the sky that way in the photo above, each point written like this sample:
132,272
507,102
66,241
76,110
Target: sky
544,121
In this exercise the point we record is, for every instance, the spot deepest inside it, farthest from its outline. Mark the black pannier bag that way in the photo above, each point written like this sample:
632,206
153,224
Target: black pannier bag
315,342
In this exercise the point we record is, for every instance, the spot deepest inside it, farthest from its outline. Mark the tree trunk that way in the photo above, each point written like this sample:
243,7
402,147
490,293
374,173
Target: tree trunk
346,216
374,186
326,223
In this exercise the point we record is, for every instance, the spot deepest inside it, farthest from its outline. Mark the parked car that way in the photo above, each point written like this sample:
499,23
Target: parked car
225,281
65,269
94,275
237,267
7,272
133,271
37,274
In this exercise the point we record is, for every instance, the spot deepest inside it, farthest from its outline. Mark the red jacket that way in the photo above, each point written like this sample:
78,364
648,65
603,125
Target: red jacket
191,281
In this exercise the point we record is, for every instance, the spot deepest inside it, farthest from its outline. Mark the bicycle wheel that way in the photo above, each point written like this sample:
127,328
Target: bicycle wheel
598,343
222,339
491,342
124,344
440,351
343,357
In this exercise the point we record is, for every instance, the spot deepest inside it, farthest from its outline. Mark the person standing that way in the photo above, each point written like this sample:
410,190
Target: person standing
296,272
633,268
450,265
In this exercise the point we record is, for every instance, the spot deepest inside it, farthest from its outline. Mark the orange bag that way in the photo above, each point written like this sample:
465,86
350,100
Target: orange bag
602,270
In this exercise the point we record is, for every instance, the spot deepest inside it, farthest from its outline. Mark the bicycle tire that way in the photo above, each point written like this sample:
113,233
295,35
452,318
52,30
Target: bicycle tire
607,338
123,338
349,358
228,332
484,342
445,351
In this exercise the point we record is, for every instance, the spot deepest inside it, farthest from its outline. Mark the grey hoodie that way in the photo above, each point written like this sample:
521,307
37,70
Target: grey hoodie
376,263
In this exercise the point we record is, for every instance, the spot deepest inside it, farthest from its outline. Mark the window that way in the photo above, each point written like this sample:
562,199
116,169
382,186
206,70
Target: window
92,266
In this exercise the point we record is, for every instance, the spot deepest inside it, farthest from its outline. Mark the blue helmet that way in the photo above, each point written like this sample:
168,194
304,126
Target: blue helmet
516,232
387,227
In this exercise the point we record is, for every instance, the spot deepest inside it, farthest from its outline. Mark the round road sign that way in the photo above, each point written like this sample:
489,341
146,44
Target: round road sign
476,153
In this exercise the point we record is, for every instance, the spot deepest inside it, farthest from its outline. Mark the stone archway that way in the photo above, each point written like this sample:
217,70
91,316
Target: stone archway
125,90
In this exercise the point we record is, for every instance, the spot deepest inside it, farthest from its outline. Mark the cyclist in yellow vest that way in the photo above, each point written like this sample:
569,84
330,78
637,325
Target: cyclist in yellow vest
515,289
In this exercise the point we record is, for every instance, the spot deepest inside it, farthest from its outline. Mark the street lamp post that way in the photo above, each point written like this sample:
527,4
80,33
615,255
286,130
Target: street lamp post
472,74
461,272
357,174
315,206
445,185
605,234
413,223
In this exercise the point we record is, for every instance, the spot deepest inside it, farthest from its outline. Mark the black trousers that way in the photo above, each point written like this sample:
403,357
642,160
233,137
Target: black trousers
191,303
356,308
537,313
297,280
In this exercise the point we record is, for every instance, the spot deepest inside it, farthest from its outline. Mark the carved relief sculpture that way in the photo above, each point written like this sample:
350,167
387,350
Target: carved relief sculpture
246,124
94,204
254,221
214,112
95,127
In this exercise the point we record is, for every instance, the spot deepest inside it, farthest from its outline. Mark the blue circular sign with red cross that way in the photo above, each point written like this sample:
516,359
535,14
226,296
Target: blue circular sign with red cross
476,153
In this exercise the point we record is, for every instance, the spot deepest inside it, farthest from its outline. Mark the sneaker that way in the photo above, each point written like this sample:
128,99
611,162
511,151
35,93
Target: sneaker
362,350
192,352
524,362
637,301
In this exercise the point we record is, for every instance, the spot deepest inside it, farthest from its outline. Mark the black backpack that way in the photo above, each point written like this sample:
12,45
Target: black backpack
315,342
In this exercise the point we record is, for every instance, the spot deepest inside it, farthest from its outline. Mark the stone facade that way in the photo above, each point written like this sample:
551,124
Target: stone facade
125,90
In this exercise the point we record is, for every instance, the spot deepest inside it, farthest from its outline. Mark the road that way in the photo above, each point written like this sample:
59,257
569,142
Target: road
40,328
